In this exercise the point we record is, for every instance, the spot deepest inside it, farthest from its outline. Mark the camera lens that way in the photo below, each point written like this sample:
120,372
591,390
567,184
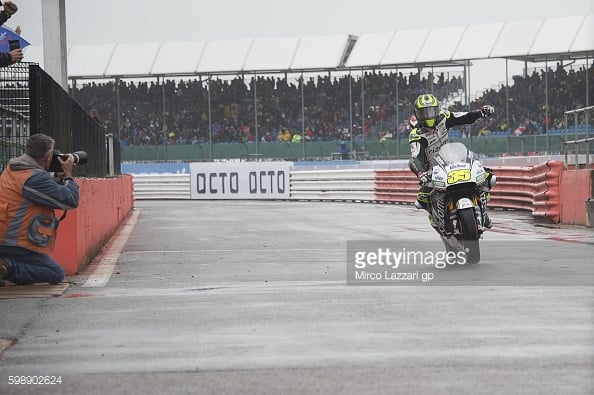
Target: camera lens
80,158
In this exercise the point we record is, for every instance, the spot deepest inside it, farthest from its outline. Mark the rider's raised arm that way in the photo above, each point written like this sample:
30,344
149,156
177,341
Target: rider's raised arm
466,118
461,118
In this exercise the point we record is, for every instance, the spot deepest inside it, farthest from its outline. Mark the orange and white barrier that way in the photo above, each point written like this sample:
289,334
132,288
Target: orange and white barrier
546,190
396,186
534,189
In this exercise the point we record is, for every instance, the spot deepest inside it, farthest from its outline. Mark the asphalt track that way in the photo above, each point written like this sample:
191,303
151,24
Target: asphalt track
224,297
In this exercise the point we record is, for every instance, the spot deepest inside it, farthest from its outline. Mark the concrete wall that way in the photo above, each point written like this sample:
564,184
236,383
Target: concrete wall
576,187
103,204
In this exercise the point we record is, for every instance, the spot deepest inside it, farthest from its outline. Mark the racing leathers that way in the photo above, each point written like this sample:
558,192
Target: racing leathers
425,143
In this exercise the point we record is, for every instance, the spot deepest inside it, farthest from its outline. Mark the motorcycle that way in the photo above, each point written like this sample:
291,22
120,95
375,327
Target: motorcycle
458,199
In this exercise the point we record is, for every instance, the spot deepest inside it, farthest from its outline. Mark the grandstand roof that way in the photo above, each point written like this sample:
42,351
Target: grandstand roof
530,40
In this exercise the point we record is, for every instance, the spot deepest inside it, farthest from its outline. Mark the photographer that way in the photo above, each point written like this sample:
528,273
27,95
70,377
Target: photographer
15,55
27,223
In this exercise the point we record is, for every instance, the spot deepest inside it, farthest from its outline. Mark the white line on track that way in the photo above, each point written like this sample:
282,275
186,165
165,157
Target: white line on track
107,260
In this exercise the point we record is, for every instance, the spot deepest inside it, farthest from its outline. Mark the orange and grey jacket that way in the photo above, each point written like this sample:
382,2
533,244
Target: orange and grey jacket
28,197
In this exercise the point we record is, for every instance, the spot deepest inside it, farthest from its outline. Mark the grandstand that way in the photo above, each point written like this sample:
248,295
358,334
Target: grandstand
327,89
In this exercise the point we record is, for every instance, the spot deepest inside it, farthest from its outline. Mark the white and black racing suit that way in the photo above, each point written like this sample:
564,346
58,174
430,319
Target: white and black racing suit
425,143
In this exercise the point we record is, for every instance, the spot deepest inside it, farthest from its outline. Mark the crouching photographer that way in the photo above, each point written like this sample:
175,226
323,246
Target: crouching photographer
28,226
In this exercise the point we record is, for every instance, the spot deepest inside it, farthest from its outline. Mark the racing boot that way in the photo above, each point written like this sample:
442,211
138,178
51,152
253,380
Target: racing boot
422,203
488,223
485,197
433,223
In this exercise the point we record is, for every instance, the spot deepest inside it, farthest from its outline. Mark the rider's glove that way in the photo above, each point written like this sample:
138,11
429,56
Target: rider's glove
487,110
424,177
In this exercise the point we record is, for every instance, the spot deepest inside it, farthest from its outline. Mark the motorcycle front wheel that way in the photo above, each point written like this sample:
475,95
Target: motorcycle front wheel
470,235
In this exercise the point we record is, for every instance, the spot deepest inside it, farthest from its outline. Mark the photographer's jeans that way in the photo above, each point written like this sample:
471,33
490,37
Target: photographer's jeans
33,267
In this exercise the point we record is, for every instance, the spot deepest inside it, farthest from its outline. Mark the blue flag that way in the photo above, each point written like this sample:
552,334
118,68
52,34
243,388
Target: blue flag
6,34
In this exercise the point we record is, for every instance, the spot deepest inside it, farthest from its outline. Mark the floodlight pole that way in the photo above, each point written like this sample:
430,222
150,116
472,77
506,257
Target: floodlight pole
256,112
119,117
363,107
546,106
164,121
302,115
507,106
468,102
351,111
397,117
209,121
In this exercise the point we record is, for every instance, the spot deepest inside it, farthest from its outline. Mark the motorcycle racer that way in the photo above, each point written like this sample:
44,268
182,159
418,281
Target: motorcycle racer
429,135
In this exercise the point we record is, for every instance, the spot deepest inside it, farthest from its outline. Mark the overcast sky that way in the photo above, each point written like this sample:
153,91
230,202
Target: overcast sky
132,21
109,21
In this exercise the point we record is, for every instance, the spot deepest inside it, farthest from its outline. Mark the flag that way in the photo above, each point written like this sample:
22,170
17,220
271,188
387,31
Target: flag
6,34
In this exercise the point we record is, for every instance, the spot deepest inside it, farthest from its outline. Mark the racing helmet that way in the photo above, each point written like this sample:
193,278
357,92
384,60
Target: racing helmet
427,110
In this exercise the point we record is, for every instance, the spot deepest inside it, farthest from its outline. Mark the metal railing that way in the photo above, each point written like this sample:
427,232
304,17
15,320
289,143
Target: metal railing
14,111
14,130
32,102
576,142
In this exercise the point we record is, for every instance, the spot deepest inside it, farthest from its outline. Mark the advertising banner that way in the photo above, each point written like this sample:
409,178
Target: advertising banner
241,180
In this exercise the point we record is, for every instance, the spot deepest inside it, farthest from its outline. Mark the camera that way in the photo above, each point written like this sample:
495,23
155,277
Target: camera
80,158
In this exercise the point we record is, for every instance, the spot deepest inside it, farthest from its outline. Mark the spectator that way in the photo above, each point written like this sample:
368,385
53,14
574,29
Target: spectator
284,135
16,55
484,132
327,105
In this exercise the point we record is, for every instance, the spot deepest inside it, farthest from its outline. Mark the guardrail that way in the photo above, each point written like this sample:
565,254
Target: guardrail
162,186
576,142
577,151
352,184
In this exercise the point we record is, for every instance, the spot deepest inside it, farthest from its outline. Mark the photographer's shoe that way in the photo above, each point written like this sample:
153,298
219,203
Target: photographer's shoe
4,269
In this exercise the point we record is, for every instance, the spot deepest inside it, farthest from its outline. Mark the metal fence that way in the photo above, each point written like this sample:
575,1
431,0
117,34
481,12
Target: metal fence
585,113
14,112
32,102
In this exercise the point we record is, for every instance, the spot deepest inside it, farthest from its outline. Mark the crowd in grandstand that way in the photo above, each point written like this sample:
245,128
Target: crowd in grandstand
177,112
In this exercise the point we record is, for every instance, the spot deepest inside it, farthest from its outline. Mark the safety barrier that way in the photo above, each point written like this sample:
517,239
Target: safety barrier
531,188
352,185
103,205
577,193
396,186
534,189
162,186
